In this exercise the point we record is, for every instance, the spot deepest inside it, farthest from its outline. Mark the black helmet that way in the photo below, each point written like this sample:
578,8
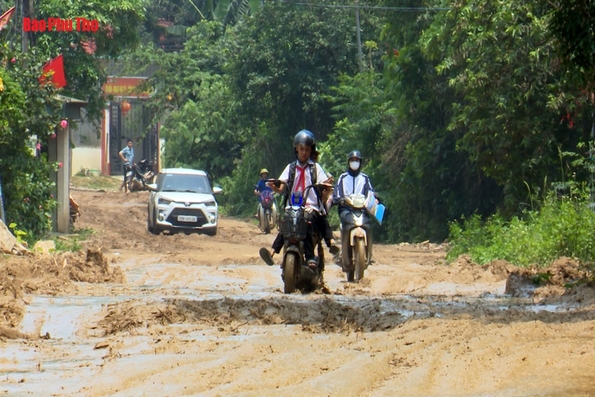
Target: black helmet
354,154
304,137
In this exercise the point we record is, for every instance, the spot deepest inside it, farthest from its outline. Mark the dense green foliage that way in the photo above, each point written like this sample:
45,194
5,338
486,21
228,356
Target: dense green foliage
283,63
462,110
119,22
483,110
27,109
459,107
562,227
572,26
235,98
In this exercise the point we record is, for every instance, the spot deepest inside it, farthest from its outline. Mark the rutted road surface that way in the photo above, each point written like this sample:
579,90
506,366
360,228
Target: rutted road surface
202,316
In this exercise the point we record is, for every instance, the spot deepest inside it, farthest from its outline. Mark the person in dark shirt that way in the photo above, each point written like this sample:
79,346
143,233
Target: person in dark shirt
261,185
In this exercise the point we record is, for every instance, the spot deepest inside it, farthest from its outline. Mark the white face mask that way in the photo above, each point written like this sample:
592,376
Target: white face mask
354,165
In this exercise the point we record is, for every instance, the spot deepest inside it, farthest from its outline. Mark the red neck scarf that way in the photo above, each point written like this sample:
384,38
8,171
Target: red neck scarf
300,183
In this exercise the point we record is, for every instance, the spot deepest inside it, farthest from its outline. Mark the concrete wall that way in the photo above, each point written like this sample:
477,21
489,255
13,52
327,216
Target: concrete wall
85,138
88,158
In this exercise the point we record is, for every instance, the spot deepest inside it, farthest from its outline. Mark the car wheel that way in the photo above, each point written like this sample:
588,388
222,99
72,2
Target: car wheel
149,226
152,226
211,232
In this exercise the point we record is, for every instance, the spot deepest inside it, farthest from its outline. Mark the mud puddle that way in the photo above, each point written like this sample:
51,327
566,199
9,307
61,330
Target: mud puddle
215,292
202,304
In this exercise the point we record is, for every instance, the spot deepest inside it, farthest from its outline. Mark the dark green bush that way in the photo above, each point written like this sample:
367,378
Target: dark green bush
561,227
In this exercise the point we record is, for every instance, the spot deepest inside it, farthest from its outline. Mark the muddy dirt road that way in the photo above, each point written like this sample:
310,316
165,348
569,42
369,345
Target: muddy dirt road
144,315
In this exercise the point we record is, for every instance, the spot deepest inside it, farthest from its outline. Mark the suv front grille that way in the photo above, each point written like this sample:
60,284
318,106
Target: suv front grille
200,217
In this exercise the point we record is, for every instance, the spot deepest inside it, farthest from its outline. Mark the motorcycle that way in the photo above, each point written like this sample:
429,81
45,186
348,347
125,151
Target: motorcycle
139,176
267,211
295,272
356,241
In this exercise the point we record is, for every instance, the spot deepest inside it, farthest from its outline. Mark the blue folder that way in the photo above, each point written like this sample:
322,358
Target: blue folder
379,213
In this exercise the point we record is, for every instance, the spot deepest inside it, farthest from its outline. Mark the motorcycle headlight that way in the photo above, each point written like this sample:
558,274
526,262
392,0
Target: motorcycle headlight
163,201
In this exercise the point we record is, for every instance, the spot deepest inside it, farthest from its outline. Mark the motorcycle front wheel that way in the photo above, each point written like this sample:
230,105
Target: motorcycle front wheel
289,272
267,221
359,257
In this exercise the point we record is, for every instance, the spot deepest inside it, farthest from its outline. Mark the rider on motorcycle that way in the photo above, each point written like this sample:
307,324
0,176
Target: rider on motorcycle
261,185
298,175
353,181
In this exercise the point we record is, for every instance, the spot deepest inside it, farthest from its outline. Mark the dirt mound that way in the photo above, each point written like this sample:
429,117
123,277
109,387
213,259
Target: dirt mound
557,280
203,315
564,280
47,274
469,272
318,316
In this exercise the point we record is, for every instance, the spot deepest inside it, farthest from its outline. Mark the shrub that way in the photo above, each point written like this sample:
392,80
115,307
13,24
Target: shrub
561,227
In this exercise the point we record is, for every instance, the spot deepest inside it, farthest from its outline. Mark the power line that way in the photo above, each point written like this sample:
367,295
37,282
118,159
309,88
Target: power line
357,7
375,7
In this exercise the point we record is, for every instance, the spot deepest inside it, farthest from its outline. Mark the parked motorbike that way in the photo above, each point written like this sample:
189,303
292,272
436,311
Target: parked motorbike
293,225
267,211
140,175
356,242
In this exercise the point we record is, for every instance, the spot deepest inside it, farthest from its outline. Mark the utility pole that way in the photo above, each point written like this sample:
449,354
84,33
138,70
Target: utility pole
27,11
359,38
2,215
591,148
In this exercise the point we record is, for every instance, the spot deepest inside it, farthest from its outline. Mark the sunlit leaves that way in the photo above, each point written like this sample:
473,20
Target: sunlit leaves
27,109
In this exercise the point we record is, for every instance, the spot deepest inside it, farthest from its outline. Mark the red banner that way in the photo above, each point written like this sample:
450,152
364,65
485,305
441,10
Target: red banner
5,18
125,86
54,71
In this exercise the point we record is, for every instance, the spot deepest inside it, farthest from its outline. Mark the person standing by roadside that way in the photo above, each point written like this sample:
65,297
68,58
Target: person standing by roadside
127,156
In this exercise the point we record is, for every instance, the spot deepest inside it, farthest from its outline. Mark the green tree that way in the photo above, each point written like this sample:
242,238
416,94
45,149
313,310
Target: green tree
118,30
27,109
193,99
479,101
283,63
424,181
572,25
500,58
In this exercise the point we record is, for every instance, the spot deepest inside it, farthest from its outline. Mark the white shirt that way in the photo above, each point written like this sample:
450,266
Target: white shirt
311,200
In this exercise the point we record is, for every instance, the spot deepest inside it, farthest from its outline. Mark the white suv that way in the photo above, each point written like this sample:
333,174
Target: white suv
182,200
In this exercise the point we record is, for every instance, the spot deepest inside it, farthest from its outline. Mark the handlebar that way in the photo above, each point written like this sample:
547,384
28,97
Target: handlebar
277,183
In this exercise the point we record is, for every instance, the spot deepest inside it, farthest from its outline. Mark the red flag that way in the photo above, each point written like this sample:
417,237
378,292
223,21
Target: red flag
5,18
54,69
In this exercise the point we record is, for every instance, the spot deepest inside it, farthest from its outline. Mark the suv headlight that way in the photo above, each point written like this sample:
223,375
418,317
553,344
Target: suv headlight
210,203
163,201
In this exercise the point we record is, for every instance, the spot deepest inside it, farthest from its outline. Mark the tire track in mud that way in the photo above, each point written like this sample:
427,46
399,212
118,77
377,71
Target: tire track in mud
324,314
187,322
476,358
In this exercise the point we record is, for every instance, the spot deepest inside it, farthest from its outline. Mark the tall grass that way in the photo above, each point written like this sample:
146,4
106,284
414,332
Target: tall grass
561,227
